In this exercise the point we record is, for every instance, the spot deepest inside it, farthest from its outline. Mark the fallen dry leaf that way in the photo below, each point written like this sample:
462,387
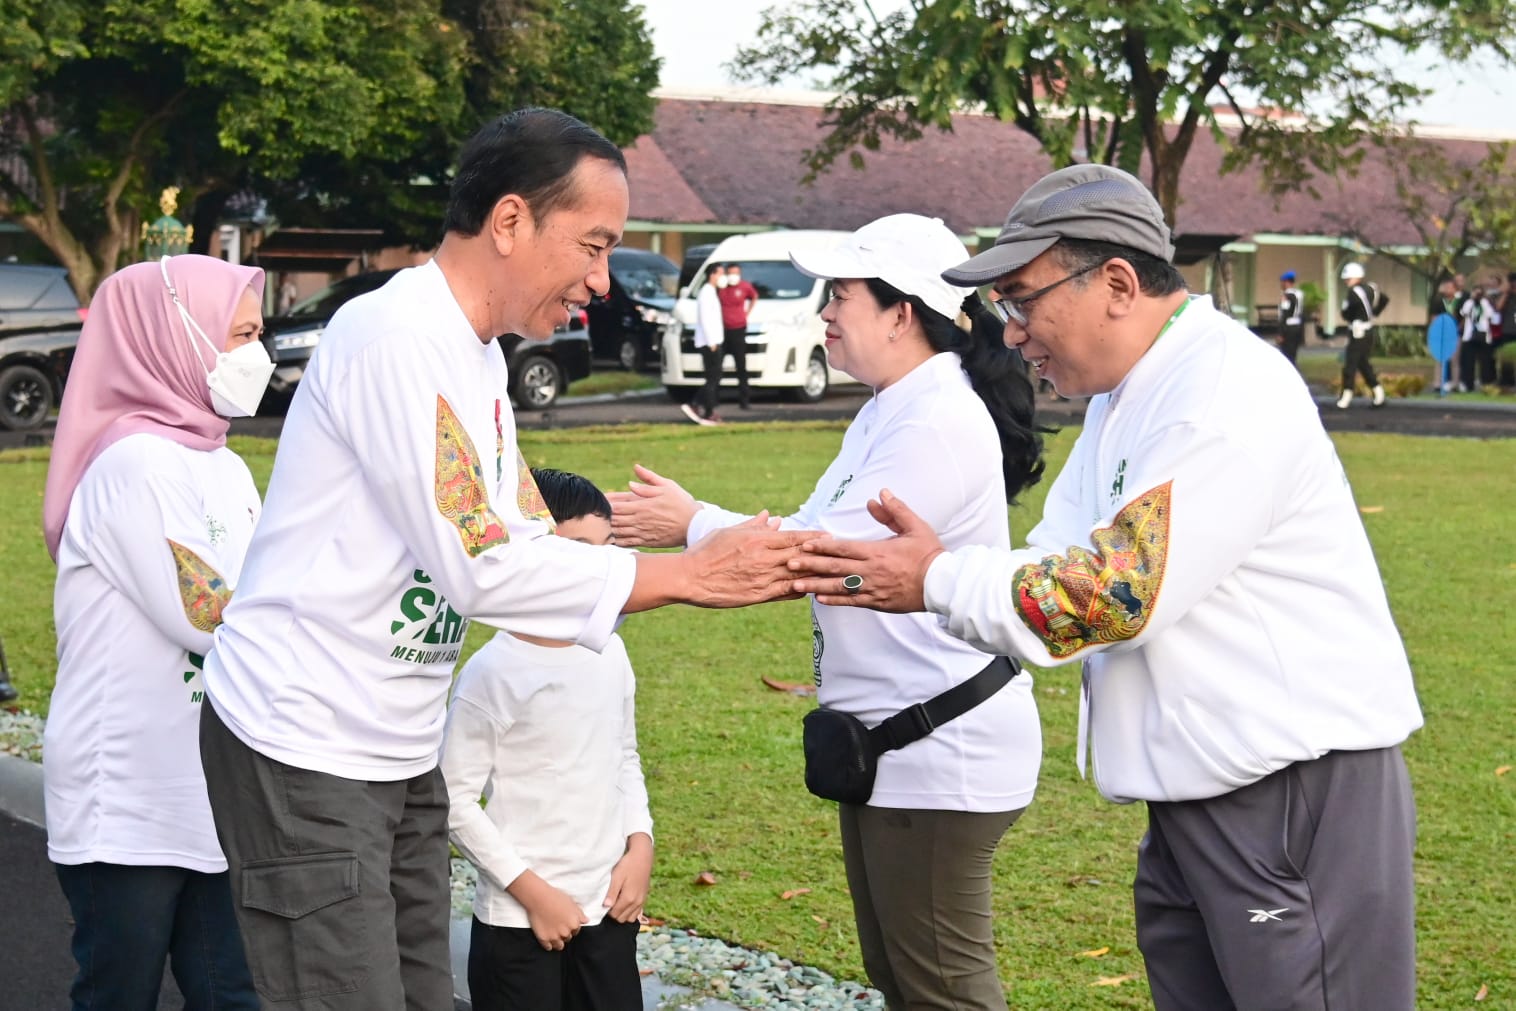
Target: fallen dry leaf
1502,770
819,920
705,878
1484,992
649,921
786,896
1114,980
1094,952
644,972
744,875
793,687
1371,509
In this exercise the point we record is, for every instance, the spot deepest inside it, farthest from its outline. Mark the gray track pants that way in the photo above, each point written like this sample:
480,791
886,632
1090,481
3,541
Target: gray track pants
1291,894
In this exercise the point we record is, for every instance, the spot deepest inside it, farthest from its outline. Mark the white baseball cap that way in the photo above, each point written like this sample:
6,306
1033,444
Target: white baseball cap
907,251
1352,270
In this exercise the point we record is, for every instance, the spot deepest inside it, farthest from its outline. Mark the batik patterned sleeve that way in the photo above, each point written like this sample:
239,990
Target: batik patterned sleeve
1194,505
154,544
407,419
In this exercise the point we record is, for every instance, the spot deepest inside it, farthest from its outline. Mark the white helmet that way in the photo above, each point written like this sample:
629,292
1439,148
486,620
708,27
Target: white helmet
1352,270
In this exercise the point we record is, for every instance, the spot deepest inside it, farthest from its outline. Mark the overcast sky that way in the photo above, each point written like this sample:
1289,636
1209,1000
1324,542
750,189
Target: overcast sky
695,37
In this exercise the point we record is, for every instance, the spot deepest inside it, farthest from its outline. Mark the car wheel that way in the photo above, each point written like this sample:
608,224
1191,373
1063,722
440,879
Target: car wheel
537,383
814,381
629,354
26,398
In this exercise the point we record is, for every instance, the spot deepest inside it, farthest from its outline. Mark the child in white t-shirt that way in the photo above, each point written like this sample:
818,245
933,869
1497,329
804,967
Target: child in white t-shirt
544,730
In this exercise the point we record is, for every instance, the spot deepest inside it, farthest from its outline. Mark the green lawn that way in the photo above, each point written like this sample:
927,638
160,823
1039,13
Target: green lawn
722,751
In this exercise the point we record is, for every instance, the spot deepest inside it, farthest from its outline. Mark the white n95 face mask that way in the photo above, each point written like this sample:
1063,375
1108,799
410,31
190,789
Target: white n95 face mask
239,377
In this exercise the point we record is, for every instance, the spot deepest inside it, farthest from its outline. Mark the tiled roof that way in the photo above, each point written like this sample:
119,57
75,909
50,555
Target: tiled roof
742,164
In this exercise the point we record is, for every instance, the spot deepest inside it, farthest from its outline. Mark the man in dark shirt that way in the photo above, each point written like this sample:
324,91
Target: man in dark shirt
1291,316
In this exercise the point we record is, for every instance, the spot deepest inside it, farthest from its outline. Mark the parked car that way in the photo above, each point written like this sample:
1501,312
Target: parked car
694,257
786,340
40,320
539,370
626,326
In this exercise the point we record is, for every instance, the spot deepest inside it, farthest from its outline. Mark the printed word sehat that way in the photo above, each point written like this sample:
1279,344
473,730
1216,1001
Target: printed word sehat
1094,202
906,251
1352,270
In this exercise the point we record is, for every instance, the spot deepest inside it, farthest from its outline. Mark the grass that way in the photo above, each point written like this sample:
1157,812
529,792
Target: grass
612,382
1322,370
722,752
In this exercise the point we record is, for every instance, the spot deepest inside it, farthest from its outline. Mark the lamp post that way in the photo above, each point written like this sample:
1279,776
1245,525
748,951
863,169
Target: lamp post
168,236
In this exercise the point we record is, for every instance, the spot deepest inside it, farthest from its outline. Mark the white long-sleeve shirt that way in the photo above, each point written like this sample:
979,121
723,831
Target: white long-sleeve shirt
150,554
547,734
399,508
1201,552
929,439
708,327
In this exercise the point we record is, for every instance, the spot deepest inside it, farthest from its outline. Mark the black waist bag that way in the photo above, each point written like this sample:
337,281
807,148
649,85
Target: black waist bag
842,755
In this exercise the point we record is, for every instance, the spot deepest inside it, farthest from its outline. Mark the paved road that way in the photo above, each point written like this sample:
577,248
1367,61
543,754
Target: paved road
1495,419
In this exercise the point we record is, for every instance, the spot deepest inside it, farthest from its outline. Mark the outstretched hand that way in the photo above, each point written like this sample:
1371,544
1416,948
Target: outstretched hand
744,564
654,513
893,571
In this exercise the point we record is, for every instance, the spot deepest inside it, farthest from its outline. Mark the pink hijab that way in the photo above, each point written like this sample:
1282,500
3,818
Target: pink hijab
137,369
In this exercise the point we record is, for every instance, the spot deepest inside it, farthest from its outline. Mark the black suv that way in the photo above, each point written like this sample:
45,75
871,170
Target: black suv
626,324
40,320
540,370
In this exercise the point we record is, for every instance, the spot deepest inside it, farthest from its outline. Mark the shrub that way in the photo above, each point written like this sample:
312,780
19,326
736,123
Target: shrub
1395,384
1402,342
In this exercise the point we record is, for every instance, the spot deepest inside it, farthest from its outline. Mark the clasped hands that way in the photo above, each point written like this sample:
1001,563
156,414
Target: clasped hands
756,561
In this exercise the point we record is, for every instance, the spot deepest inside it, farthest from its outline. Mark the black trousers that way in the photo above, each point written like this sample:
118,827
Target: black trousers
1355,361
736,346
1290,339
710,393
1476,363
596,971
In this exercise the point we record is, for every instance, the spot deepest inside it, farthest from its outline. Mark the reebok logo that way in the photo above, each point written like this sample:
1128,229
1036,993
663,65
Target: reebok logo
1265,915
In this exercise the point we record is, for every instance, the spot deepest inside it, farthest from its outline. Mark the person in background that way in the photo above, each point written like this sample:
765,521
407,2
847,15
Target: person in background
148,515
1358,311
1188,549
709,334
544,730
1476,352
737,300
952,419
1291,316
400,507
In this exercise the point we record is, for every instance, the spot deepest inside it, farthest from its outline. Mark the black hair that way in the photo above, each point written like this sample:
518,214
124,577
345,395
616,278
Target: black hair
996,372
569,496
529,152
1156,276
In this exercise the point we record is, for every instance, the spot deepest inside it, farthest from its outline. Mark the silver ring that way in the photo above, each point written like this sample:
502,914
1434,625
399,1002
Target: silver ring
852,584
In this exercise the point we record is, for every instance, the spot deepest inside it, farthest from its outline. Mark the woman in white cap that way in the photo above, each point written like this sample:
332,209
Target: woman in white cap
952,776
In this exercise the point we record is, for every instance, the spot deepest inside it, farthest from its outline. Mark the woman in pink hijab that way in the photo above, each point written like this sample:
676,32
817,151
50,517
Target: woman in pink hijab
148,515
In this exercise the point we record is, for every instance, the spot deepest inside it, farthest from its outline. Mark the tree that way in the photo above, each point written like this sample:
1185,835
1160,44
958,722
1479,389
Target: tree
593,59
1459,202
1113,80
337,111
105,102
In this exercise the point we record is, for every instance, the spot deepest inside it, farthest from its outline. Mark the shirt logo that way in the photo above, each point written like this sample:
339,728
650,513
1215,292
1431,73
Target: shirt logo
841,488
426,620
1265,915
215,530
1120,481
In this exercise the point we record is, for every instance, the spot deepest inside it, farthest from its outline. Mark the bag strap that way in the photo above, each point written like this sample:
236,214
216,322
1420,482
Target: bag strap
915,722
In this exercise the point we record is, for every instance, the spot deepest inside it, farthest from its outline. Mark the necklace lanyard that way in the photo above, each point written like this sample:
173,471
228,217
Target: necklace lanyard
1170,322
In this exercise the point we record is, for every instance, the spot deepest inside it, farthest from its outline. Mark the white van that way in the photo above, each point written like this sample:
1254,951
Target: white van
786,340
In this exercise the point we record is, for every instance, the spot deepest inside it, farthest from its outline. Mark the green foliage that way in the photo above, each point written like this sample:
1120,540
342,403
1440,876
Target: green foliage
1107,80
1403,342
722,754
1312,298
341,113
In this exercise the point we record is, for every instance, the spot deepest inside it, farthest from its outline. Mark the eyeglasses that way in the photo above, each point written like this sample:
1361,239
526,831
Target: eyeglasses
1014,310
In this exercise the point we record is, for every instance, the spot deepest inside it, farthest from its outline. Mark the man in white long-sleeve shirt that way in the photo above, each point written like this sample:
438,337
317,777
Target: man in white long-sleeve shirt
1202,555
399,508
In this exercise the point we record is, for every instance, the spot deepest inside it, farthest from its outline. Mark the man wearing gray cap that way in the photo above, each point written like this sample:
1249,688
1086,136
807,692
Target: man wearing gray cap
1202,556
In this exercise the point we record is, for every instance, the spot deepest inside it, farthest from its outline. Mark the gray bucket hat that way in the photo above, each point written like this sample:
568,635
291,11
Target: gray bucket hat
1094,202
